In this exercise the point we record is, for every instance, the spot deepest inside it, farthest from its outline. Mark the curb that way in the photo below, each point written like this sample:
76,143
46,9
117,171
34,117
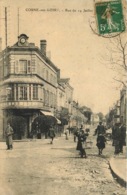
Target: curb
122,181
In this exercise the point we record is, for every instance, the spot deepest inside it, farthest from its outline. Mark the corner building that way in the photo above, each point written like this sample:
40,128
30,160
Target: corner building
28,82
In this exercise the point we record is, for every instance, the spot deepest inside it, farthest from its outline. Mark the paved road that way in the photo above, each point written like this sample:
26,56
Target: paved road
39,168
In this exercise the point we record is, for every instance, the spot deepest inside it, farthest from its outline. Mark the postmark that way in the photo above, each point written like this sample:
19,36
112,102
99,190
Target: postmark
109,17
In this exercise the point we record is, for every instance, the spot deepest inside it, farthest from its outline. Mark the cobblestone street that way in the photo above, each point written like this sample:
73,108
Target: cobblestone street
37,167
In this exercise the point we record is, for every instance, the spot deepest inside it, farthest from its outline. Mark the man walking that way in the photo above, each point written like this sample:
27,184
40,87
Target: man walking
122,137
116,132
9,141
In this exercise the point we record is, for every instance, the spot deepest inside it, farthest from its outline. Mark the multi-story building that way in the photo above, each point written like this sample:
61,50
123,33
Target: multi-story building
66,106
78,117
29,81
123,105
116,118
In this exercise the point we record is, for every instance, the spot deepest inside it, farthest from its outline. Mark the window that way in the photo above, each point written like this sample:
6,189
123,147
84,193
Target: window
10,93
29,91
51,79
44,96
47,75
47,97
23,92
23,67
16,91
35,92
29,67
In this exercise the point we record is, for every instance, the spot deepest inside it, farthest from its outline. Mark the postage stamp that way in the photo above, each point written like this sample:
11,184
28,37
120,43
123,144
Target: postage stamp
109,16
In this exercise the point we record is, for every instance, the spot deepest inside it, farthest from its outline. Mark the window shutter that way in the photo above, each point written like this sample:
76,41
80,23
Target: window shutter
29,66
16,67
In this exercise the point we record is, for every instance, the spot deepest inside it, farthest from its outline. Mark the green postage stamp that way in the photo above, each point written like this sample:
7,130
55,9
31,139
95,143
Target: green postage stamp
110,17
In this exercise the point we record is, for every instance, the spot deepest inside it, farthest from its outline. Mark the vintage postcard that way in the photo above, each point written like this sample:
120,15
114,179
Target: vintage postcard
63,70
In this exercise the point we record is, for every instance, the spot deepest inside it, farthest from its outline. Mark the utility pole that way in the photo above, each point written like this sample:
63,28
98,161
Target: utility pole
6,27
18,21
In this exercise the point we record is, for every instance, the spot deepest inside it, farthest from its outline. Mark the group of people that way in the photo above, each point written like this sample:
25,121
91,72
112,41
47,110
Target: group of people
81,136
119,137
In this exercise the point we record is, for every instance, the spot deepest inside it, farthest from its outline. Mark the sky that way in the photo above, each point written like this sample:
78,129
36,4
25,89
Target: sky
74,48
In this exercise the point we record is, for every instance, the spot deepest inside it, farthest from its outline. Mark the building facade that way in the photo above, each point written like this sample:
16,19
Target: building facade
28,82
123,105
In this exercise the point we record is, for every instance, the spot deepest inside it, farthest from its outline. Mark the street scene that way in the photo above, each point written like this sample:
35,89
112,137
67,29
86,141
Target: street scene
63,97
38,167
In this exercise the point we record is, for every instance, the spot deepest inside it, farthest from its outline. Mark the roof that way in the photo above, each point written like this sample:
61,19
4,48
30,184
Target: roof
64,80
32,47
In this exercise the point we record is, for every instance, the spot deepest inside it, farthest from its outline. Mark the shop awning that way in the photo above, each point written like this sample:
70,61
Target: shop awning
58,121
46,113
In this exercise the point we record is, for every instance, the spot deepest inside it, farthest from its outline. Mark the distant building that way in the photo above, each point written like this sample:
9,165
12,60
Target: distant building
65,99
94,119
77,117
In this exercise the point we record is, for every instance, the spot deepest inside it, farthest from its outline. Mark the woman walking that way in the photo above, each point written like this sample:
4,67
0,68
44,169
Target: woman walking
80,143
100,143
51,134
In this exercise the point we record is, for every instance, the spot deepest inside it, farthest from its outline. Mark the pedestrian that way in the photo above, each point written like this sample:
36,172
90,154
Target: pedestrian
38,131
69,128
100,129
122,138
66,134
51,134
116,137
100,143
75,132
80,144
9,140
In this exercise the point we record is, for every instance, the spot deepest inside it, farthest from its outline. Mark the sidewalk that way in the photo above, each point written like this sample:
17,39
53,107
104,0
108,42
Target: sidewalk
118,165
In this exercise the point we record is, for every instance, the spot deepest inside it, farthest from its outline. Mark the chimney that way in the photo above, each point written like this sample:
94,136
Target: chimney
43,46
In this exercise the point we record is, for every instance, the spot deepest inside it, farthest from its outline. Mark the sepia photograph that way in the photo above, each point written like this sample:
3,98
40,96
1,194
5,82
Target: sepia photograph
63,97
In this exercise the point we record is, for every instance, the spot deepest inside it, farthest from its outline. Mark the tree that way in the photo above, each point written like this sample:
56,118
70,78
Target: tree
101,116
87,112
116,57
